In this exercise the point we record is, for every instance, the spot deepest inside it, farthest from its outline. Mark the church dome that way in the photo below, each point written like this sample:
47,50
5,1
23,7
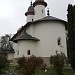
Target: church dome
30,10
39,2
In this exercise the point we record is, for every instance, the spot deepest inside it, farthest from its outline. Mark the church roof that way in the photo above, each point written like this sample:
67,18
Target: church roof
50,18
39,2
24,36
30,10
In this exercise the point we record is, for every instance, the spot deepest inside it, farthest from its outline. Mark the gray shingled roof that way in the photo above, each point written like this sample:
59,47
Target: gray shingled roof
37,2
25,36
40,0
49,18
31,9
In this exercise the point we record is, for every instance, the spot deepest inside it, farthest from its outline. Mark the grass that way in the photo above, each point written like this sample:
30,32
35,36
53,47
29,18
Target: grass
52,72
42,72
69,72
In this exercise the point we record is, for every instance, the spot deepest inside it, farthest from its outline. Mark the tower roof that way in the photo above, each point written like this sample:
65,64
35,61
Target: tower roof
30,10
39,2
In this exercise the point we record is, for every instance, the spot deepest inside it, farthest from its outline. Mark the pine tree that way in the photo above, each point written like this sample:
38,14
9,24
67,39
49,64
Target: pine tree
71,34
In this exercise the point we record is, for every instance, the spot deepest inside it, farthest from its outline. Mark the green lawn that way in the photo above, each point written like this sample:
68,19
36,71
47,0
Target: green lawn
52,72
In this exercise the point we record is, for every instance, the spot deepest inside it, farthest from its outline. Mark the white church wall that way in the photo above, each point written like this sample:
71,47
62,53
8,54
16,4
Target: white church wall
31,29
39,12
24,46
30,18
15,49
48,33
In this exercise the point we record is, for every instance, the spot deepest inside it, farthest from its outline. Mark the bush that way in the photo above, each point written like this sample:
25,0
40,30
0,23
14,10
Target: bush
58,63
29,65
3,62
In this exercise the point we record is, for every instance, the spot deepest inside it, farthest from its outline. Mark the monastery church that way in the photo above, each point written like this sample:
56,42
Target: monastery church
42,35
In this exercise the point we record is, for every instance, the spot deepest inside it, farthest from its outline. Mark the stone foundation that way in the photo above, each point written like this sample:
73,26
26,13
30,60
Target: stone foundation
45,59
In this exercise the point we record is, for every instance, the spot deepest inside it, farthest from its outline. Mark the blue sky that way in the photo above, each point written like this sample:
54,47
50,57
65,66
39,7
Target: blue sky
12,13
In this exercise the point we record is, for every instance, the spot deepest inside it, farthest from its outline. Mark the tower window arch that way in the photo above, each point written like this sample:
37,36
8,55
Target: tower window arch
59,41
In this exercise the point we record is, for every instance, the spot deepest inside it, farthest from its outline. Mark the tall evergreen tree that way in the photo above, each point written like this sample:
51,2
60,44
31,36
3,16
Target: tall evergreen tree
71,34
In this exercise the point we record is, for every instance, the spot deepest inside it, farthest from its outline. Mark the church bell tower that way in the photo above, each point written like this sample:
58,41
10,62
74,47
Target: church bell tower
30,13
39,6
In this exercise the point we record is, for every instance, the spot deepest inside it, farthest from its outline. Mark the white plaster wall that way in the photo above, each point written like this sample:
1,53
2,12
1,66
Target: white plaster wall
15,49
29,18
48,33
23,46
31,29
38,12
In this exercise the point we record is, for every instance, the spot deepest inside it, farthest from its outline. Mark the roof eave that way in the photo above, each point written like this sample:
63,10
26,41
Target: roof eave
15,41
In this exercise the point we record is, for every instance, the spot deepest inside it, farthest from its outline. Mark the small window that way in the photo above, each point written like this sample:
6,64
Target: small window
59,41
32,19
28,52
42,11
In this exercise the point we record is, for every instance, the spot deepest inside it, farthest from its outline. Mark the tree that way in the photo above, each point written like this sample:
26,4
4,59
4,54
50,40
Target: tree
58,63
3,62
29,65
71,35
6,44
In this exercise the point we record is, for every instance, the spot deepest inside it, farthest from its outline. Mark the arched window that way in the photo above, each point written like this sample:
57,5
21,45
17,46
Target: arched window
59,41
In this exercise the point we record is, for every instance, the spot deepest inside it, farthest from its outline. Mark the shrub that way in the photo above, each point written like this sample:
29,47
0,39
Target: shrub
58,63
3,62
29,65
